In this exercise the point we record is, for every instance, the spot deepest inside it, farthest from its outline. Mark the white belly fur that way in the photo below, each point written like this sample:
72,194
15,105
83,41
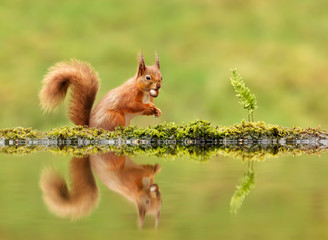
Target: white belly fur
128,116
146,98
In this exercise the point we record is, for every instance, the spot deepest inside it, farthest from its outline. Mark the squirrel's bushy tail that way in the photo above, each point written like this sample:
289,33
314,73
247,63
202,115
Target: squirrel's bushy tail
84,84
78,202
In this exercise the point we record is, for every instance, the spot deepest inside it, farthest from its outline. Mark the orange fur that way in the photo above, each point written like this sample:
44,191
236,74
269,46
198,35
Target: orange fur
118,173
80,200
117,107
133,181
84,85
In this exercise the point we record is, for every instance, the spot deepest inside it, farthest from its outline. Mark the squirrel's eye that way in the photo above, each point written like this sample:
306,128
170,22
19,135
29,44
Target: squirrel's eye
148,77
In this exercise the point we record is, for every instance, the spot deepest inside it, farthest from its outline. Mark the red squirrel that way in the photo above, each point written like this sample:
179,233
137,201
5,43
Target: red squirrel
117,107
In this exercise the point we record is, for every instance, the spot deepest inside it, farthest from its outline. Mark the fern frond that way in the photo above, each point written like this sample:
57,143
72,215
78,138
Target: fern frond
246,98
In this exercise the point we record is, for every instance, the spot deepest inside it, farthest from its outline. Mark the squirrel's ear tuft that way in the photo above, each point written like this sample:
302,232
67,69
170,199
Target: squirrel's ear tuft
157,60
141,62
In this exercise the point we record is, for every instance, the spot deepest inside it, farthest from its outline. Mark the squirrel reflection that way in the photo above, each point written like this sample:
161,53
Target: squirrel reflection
118,173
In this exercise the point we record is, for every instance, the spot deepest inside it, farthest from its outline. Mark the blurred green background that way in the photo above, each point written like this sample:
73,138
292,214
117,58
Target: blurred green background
279,47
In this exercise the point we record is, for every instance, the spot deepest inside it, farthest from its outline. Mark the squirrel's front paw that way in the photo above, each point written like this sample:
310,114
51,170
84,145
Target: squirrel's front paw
158,112
153,110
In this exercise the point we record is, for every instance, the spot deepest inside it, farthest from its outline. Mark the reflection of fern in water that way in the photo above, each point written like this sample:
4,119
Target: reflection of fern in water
246,98
246,184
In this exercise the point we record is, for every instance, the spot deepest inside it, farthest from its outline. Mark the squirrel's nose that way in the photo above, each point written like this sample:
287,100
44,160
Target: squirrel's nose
158,86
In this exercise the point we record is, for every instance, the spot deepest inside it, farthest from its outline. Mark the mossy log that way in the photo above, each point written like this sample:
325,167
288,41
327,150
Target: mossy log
247,140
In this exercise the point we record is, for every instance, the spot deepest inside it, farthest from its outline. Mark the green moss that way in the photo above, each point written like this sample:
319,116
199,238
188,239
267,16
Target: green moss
230,141
20,133
193,130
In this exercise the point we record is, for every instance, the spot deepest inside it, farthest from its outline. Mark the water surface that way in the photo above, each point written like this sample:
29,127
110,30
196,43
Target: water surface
287,200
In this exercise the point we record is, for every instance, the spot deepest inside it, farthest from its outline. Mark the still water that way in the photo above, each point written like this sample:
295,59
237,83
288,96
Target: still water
288,198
